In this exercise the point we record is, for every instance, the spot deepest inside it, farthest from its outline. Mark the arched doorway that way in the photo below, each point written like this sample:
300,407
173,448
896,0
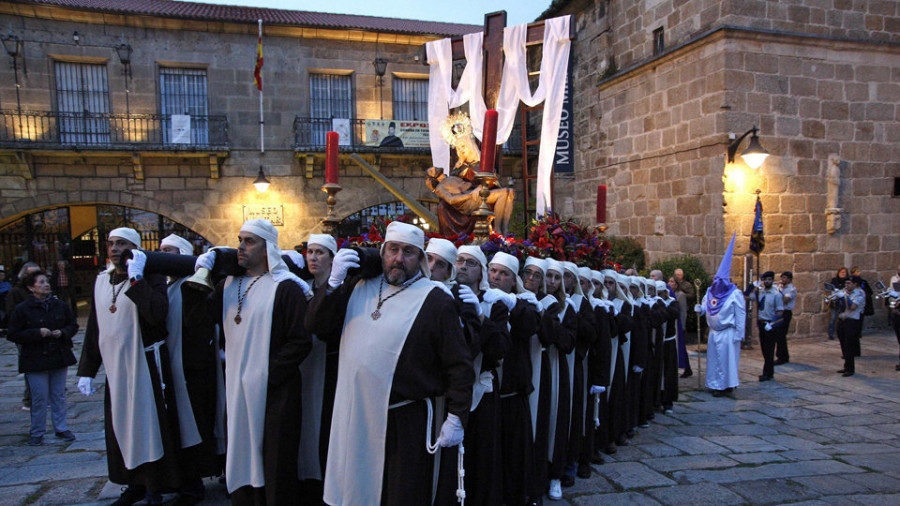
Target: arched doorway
77,234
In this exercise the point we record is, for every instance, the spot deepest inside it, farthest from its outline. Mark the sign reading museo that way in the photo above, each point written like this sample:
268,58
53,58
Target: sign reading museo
389,133
565,148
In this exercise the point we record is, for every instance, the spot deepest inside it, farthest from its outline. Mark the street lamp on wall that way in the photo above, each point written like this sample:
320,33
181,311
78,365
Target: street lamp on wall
123,51
380,65
261,183
754,155
15,48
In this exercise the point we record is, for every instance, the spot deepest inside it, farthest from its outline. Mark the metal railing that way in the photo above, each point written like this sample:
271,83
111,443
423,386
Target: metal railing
309,135
51,129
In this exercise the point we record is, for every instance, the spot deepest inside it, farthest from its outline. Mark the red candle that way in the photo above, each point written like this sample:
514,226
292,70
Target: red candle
331,157
489,141
601,203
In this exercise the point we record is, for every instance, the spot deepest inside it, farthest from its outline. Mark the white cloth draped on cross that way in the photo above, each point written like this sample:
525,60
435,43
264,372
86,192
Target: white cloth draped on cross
514,87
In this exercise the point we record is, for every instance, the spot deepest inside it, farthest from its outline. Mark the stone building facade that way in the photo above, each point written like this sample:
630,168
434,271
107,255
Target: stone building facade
660,84
121,154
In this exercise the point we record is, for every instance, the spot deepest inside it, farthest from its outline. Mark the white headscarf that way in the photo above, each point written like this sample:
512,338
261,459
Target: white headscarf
541,264
511,263
267,232
446,250
585,272
476,253
184,246
572,269
129,234
397,231
555,265
324,240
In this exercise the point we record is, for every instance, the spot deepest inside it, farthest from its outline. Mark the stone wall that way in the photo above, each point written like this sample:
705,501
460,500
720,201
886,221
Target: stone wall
656,133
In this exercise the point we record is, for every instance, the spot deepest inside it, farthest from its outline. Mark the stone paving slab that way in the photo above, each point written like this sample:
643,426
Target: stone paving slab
700,494
772,491
633,475
767,471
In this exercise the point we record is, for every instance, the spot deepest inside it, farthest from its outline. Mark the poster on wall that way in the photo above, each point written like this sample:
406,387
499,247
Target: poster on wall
563,159
342,127
273,213
388,133
181,129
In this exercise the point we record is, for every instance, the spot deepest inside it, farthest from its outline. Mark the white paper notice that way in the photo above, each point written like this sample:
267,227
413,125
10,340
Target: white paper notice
181,129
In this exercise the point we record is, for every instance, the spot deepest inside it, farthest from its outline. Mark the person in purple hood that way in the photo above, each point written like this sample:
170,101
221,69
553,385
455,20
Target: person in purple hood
724,308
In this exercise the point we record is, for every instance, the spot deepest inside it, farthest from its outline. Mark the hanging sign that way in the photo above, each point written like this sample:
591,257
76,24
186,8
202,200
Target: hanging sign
181,129
271,212
563,158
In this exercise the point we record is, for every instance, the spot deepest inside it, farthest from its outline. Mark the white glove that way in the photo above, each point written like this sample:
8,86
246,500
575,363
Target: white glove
893,293
467,296
136,264
768,326
757,283
206,260
637,368
307,291
493,295
84,386
548,301
345,260
530,298
698,308
444,287
295,257
222,355
597,389
452,431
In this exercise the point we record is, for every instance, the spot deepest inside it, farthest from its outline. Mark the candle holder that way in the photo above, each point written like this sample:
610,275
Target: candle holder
330,222
483,214
602,228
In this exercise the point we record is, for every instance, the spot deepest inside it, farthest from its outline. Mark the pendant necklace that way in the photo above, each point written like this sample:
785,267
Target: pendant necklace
112,307
377,313
241,297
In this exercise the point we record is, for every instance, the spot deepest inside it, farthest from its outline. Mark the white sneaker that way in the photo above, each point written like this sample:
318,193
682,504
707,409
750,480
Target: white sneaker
555,490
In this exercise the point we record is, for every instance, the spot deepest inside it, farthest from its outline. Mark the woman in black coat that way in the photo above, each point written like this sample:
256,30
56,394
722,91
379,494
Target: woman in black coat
43,326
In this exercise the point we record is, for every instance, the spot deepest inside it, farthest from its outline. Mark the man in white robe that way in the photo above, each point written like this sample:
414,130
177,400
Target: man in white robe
261,316
725,313
401,347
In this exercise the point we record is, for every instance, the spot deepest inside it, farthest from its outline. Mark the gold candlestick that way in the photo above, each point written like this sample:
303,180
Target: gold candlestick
330,222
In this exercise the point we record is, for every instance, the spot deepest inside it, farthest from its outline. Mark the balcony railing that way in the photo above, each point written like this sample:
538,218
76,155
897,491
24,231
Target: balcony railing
309,135
48,129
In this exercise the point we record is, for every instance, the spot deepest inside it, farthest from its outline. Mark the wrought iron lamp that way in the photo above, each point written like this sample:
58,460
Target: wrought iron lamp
380,65
754,155
261,183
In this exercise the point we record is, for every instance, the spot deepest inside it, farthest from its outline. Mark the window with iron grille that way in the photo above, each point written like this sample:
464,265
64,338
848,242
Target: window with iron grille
82,103
659,41
410,99
330,97
184,91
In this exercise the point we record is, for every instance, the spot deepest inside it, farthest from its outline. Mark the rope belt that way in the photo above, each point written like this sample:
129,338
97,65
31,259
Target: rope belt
157,357
433,448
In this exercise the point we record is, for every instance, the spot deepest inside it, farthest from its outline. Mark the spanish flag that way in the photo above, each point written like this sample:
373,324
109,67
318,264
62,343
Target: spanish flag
257,72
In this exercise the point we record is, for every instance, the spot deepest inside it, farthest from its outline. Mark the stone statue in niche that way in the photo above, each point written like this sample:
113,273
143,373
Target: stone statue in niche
458,192
833,179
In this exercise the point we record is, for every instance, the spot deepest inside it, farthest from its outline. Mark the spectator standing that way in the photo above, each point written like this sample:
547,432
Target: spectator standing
789,296
685,287
43,326
5,287
683,360
771,306
62,281
895,278
839,280
17,295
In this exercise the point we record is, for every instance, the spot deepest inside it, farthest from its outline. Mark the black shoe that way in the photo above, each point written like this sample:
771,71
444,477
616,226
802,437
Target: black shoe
187,500
130,495
630,433
35,441
66,435
897,367
622,441
610,449
782,362
718,393
765,377
841,371
567,481
597,458
687,373
848,373
584,471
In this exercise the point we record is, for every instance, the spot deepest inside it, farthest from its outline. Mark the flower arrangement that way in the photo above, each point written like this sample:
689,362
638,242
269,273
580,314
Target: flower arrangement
549,237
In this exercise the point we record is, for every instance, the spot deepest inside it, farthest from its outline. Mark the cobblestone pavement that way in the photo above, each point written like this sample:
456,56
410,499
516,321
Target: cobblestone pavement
811,437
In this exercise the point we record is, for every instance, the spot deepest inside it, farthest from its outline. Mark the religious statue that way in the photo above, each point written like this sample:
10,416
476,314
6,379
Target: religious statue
458,192
832,211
